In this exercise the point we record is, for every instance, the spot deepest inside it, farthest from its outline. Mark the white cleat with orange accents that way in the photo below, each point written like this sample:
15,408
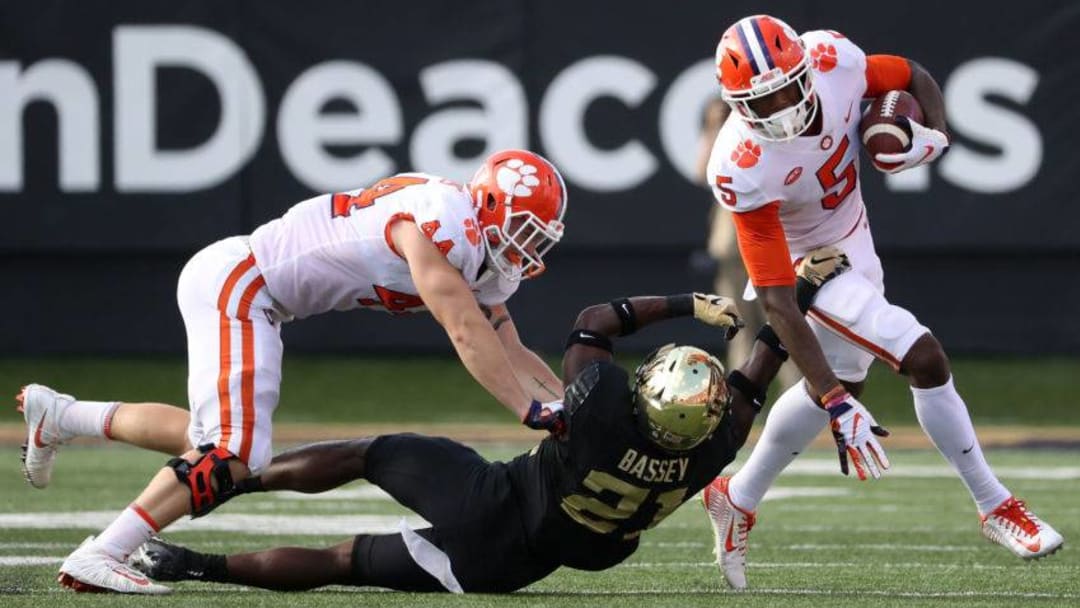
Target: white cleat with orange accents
731,529
90,570
42,408
1012,526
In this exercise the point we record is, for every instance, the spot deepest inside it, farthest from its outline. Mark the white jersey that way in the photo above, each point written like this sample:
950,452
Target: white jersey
333,252
815,179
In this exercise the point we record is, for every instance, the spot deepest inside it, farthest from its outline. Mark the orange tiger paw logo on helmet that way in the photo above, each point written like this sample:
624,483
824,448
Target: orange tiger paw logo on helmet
746,155
823,57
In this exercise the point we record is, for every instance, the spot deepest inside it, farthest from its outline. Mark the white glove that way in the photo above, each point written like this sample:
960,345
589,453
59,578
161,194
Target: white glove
856,433
718,311
926,145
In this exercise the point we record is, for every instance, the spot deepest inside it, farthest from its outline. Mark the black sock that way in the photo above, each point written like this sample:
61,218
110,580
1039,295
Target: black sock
205,567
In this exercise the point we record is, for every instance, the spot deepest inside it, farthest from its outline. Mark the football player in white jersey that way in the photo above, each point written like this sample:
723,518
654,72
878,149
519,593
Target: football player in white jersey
410,242
786,163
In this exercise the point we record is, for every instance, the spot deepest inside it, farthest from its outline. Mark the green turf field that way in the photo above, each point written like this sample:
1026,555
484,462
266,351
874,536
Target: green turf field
910,540
1026,391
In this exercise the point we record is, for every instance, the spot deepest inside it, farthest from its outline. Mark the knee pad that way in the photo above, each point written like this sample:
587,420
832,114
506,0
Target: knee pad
208,478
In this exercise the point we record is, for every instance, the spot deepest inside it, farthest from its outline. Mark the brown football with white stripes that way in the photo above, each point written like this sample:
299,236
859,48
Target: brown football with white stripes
884,128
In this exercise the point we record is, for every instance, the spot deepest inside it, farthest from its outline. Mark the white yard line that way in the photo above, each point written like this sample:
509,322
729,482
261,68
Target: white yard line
811,565
890,547
316,525
308,524
812,592
364,492
831,468
28,560
13,546
887,547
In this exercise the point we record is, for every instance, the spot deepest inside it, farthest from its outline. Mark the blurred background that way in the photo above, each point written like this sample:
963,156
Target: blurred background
132,134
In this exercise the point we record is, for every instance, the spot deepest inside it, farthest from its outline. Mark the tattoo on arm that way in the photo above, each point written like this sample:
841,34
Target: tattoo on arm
540,383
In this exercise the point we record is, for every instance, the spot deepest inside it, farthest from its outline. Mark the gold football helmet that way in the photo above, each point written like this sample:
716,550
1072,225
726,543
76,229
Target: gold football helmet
680,396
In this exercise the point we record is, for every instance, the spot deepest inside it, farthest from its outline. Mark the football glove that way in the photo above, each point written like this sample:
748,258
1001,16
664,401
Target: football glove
550,416
718,311
855,432
822,264
926,145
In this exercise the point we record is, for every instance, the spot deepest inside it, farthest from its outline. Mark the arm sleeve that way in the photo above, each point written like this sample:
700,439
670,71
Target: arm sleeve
886,73
763,246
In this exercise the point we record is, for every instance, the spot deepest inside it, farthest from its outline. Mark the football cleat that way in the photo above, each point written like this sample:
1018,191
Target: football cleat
42,408
731,528
1012,526
162,561
90,570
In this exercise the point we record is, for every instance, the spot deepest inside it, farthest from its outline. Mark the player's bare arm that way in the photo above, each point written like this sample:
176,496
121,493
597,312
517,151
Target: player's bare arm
453,305
790,325
926,91
533,373
590,339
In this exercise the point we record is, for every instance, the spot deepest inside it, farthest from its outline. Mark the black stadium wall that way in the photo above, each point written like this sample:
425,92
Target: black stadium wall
133,133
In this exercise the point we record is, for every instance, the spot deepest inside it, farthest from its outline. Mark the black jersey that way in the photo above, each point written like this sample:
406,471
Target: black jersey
587,499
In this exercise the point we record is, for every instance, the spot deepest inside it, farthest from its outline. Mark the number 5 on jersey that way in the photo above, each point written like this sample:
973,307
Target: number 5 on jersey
827,177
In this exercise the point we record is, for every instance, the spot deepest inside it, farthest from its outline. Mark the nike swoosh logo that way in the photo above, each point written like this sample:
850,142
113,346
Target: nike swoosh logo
847,117
971,447
137,580
1033,546
37,433
728,545
814,260
929,151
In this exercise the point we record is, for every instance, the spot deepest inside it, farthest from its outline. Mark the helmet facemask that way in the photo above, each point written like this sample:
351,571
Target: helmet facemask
516,249
788,123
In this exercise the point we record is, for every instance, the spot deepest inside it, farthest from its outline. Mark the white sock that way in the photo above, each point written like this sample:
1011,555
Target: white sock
127,532
794,421
88,418
944,418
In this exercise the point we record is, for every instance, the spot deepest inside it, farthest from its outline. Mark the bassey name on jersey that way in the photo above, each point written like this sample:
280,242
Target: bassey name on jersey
654,469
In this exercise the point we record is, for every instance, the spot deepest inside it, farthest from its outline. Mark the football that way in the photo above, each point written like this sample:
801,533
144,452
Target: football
884,128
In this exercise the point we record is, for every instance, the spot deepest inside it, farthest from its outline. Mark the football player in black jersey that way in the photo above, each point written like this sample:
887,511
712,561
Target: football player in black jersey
622,455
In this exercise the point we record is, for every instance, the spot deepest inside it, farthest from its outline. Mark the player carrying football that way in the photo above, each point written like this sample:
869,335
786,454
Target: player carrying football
788,167
408,243
628,456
